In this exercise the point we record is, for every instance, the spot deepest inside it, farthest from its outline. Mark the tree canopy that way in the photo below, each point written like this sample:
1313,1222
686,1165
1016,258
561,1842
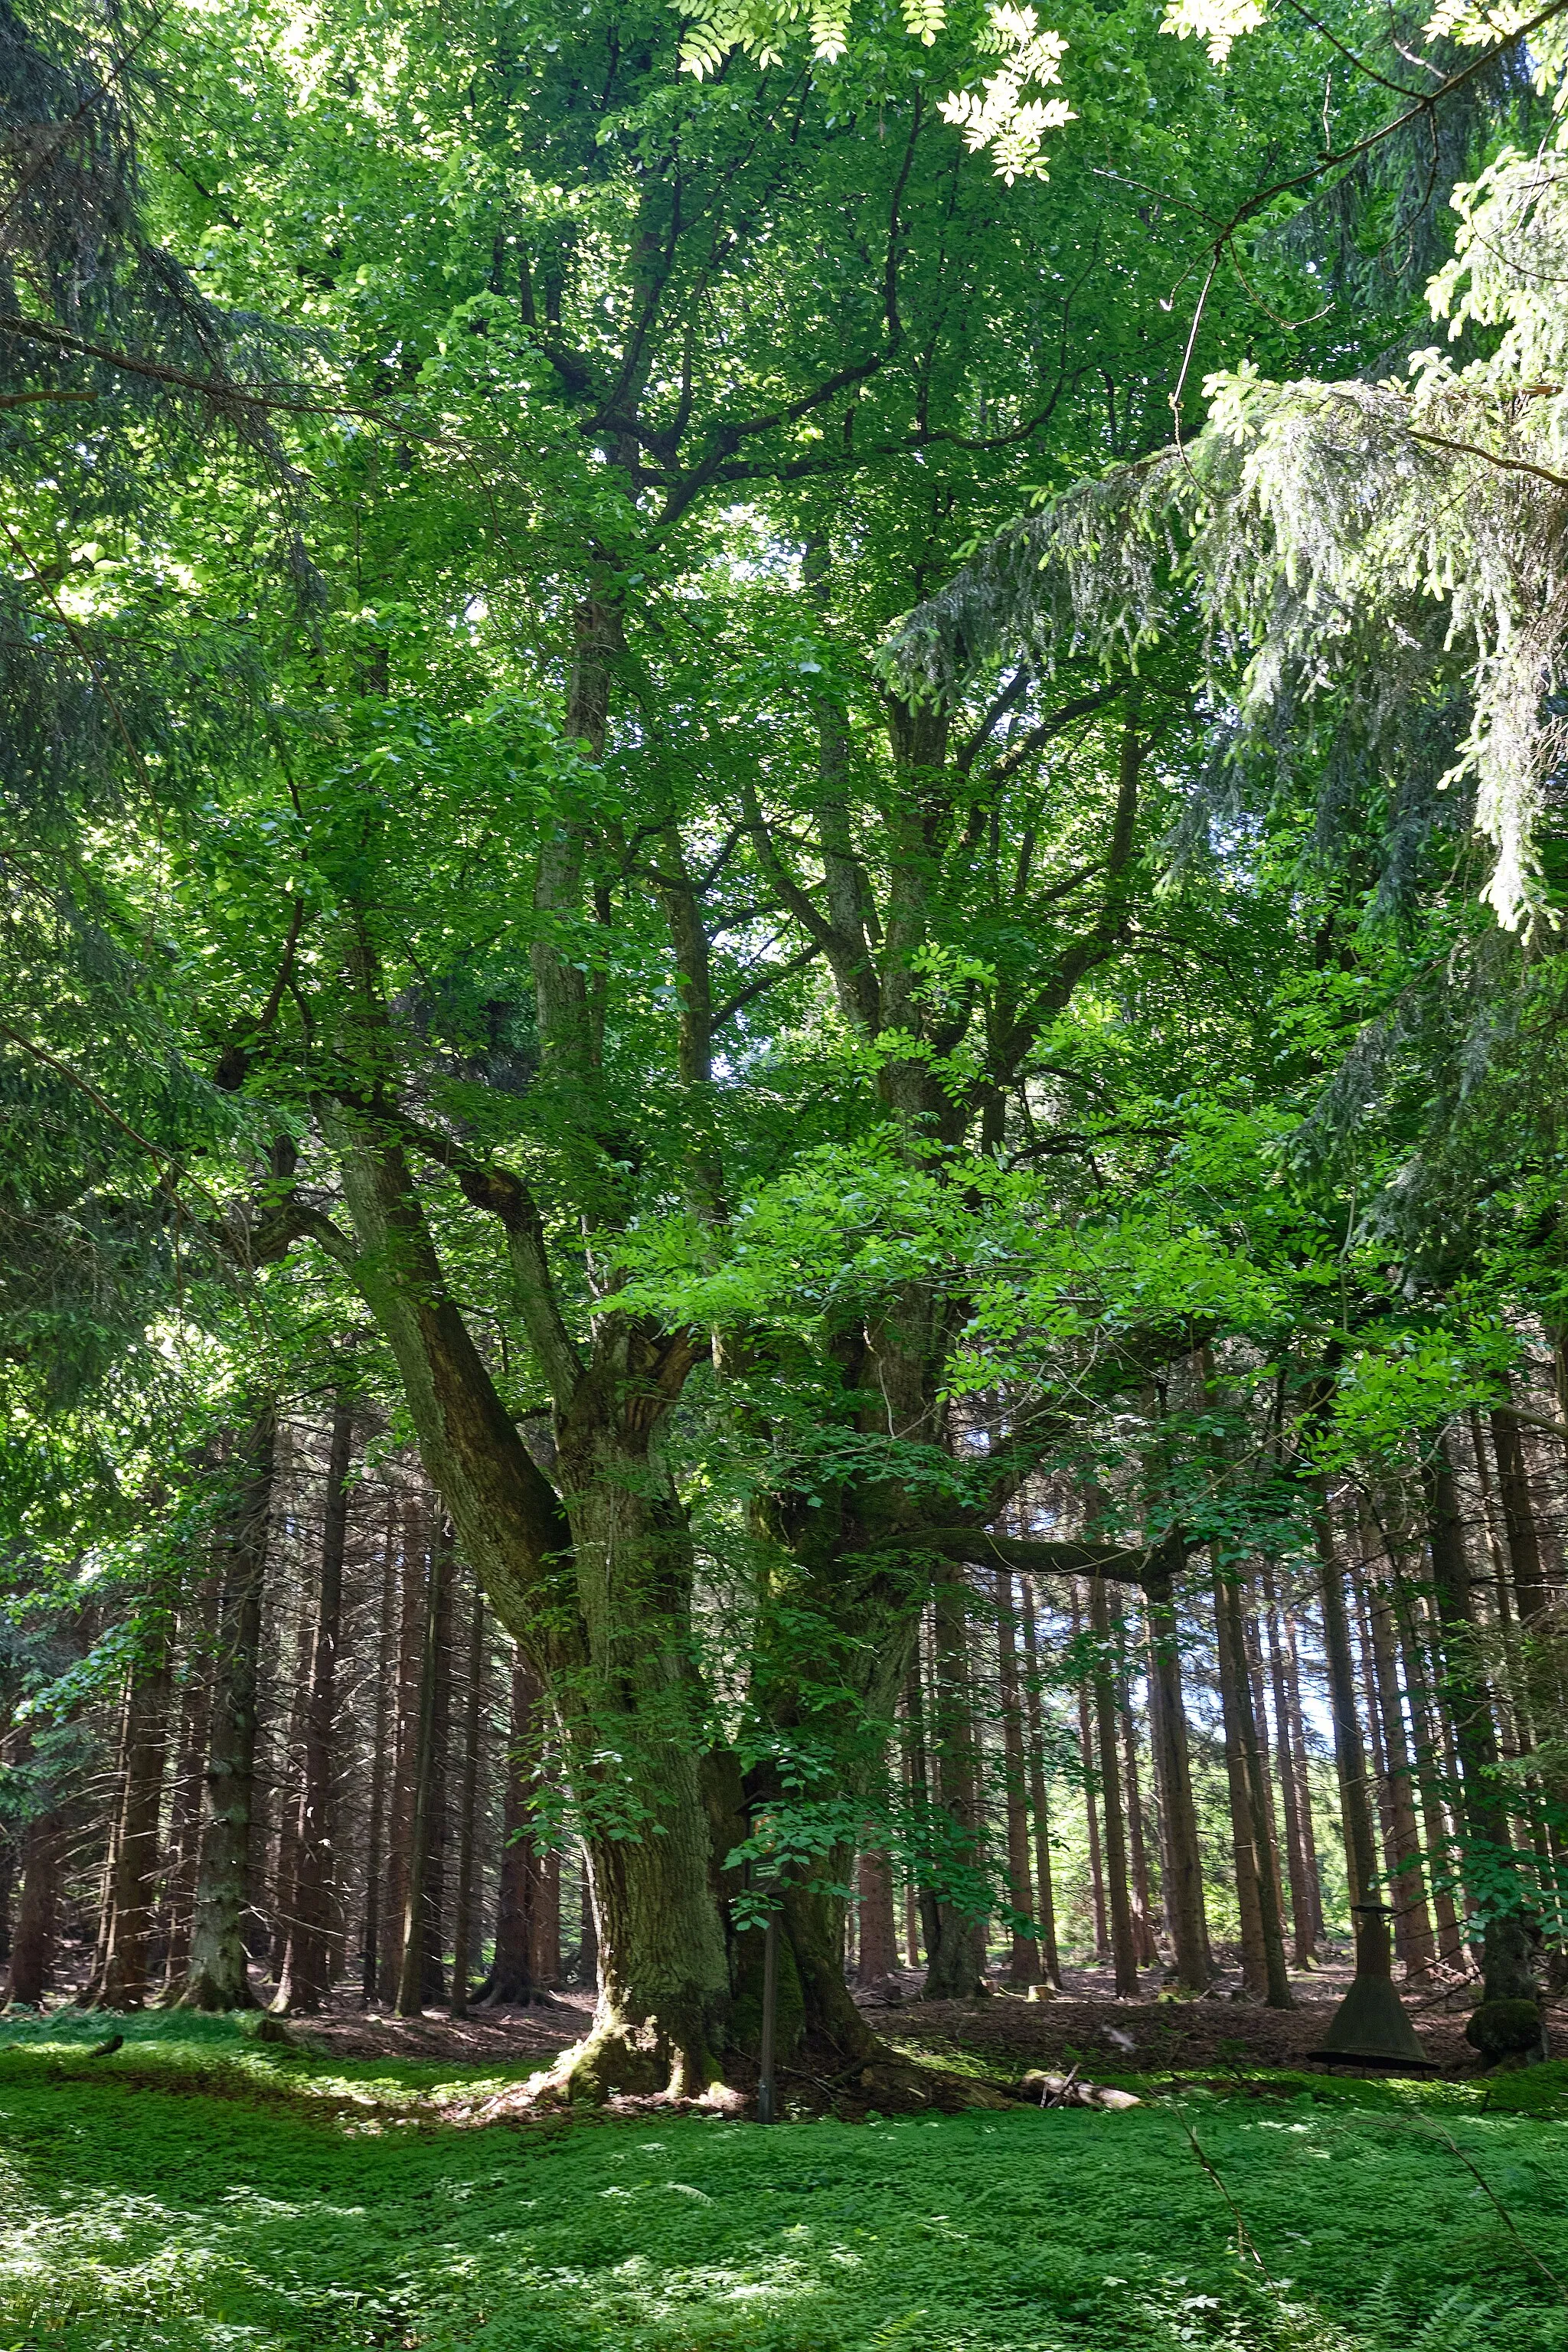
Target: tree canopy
794,779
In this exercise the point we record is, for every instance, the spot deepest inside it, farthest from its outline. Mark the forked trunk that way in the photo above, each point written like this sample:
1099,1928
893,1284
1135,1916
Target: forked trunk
593,1580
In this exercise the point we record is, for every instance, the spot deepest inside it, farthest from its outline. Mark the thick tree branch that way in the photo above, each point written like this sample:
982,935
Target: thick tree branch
506,1197
1126,1564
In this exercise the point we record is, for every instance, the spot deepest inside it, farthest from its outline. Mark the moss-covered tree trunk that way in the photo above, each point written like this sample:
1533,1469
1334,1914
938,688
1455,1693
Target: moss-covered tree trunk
592,1575
634,1733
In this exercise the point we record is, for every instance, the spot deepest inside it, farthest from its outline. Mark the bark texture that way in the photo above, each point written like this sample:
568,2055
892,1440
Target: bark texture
134,1858
218,1976
305,1978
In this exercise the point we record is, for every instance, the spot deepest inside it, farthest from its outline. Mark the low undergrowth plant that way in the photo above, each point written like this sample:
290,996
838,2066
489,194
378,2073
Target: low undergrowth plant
323,2204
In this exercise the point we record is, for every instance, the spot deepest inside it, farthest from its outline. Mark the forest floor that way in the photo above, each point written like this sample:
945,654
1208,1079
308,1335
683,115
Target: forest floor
1006,2032
1154,2034
195,2190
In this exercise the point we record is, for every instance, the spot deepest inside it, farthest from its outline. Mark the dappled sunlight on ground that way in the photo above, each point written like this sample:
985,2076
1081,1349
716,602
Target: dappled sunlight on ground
142,2212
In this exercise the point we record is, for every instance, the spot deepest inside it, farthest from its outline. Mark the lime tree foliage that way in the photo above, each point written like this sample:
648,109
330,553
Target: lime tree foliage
829,1046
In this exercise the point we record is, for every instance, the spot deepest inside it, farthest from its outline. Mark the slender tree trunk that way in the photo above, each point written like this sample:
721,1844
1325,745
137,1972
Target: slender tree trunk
10,1871
305,1980
218,1976
877,1957
1519,1518
1511,1936
414,1974
33,1942
436,1862
468,1801
411,1632
1263,1752
1098,1913
1417,1943
1534,1685
512,1978
1262,1945
1361,1848
198,1633
370,1960
1372,1719
1137,1842
1303,1907
1429,1770
133,1881
1024,1966
920,1792
1303,1781
587,1970
1123,1941
112,1807
1039,1803
1183,1874
907,1766
953,1968
1534,1656
288,1788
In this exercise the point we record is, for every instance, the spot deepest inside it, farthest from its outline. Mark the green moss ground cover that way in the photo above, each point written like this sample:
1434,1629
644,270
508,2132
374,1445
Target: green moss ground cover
193,2190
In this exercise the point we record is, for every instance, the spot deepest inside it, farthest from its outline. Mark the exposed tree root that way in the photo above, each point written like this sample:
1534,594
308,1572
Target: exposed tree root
612,2072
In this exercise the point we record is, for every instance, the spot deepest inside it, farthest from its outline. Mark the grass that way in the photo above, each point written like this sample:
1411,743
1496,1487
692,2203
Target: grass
195,2189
